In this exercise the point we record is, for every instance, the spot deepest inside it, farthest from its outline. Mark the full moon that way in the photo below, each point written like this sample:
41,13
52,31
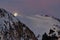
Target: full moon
15,14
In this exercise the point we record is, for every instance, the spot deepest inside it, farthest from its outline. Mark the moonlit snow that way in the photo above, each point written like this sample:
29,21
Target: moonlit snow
39,24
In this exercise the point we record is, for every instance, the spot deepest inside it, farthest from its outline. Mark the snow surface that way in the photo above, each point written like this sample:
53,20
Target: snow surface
39,24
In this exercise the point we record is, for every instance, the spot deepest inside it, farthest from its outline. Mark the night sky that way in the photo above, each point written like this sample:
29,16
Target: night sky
32,7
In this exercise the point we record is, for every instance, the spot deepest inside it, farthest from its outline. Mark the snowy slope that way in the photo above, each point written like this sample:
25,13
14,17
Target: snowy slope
40,24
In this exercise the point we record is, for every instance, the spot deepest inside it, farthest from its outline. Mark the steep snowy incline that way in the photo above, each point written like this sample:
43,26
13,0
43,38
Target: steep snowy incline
12,29
40,24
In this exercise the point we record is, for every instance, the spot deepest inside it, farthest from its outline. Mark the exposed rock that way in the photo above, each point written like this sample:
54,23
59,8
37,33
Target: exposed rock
12,29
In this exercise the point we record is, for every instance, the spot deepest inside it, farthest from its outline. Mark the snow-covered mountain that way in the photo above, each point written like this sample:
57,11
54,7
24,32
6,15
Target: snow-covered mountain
12,29
41,24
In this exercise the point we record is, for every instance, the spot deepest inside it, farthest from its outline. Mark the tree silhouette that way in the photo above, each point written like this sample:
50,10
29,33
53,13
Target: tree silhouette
45,36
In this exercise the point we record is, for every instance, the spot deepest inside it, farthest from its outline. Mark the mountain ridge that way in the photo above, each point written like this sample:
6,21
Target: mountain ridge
12,29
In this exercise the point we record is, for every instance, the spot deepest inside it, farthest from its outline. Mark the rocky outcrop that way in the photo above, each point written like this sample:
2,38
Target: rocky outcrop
12,29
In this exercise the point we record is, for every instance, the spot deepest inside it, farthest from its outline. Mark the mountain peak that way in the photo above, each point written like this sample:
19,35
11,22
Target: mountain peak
3,12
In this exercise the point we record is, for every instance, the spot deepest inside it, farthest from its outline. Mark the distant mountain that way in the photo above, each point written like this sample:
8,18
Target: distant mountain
12,29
